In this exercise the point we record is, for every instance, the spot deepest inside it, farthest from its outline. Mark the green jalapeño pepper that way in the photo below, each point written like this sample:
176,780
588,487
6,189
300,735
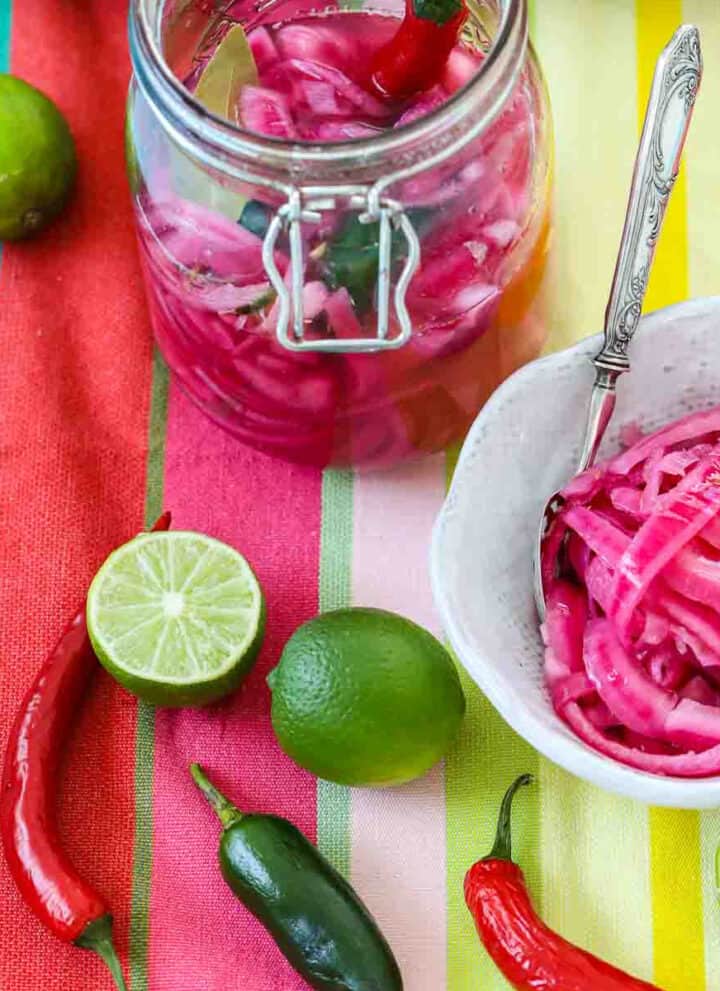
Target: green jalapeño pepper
310,910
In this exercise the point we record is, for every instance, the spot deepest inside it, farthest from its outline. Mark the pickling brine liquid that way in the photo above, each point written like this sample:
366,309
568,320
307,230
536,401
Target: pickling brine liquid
481,216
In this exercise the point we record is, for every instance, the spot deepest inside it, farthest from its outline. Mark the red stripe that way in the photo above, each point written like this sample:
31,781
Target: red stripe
75,383
200,936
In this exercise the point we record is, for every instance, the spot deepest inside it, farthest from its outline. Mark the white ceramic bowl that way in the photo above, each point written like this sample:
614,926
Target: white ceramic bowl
523,445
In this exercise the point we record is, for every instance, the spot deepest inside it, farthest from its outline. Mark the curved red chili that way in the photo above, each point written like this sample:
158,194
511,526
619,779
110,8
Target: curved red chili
49,884
415,57
530,955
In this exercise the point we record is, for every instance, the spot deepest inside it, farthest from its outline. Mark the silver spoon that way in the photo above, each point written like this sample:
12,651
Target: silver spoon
675,84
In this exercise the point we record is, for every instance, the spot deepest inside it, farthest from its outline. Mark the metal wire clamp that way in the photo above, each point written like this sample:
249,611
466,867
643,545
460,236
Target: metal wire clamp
305,206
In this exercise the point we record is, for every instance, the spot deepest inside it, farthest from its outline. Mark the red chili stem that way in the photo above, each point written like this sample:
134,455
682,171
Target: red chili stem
502,848
49,884
415,57
524,949
162,522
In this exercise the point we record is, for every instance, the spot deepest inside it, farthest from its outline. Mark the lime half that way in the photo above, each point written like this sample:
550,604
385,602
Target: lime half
177,618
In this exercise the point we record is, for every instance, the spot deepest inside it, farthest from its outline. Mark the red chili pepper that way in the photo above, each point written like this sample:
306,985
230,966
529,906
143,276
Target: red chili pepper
529,954
49,884
414,58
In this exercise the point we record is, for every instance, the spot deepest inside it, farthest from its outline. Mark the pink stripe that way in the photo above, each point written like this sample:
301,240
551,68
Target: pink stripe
397,850
200,936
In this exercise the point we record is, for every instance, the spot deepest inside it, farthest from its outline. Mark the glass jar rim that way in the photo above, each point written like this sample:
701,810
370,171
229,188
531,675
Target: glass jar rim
483,96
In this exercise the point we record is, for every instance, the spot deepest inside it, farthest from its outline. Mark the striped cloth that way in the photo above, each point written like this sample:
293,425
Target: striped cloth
93,439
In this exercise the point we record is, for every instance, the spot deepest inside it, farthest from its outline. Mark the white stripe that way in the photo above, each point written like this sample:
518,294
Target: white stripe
709,839
397,836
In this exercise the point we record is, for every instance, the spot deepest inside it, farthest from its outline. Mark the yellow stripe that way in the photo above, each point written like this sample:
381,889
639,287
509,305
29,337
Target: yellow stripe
676,886
595,130
675,876
656,21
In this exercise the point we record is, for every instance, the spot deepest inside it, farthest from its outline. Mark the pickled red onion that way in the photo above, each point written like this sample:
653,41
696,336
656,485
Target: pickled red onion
631,570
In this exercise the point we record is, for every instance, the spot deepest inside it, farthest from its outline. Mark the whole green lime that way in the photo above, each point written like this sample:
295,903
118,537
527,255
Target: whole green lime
365,697
37,159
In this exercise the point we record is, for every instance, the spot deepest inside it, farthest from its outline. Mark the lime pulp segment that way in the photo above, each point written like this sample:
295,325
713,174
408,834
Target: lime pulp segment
174,608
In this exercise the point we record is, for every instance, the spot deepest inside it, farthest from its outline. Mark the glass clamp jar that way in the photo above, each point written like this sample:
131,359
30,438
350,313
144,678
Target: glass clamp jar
345,300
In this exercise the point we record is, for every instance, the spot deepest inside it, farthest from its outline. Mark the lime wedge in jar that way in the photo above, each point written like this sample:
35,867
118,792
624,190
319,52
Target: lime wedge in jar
177,618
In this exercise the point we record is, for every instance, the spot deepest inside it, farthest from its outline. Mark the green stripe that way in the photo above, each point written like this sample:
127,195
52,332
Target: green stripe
593,841
336,538
451,459
333,801
156,440
532,11
487,757
142,852
333,824
145,739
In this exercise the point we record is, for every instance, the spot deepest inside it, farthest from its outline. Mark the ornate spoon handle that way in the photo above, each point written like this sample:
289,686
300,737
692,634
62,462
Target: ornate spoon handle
672,98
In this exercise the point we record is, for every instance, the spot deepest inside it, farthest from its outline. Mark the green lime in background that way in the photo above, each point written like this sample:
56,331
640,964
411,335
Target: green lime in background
365,697
37,160
177,618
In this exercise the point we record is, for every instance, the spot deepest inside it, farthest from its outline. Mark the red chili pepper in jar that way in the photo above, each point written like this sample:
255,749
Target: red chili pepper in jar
49,884
529,954
415,57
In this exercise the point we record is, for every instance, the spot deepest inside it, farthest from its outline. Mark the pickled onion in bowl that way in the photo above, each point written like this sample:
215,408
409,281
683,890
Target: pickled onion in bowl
631,571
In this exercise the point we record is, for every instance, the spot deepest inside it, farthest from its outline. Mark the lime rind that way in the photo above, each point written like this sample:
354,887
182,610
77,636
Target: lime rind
176,617
38,161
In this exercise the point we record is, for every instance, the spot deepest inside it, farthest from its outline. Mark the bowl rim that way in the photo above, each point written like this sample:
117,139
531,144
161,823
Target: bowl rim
569,752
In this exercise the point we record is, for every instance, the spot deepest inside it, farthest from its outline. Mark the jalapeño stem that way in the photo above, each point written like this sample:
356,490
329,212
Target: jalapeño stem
224,809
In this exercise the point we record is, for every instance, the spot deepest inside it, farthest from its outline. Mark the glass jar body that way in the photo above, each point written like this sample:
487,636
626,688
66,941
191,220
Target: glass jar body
480,209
